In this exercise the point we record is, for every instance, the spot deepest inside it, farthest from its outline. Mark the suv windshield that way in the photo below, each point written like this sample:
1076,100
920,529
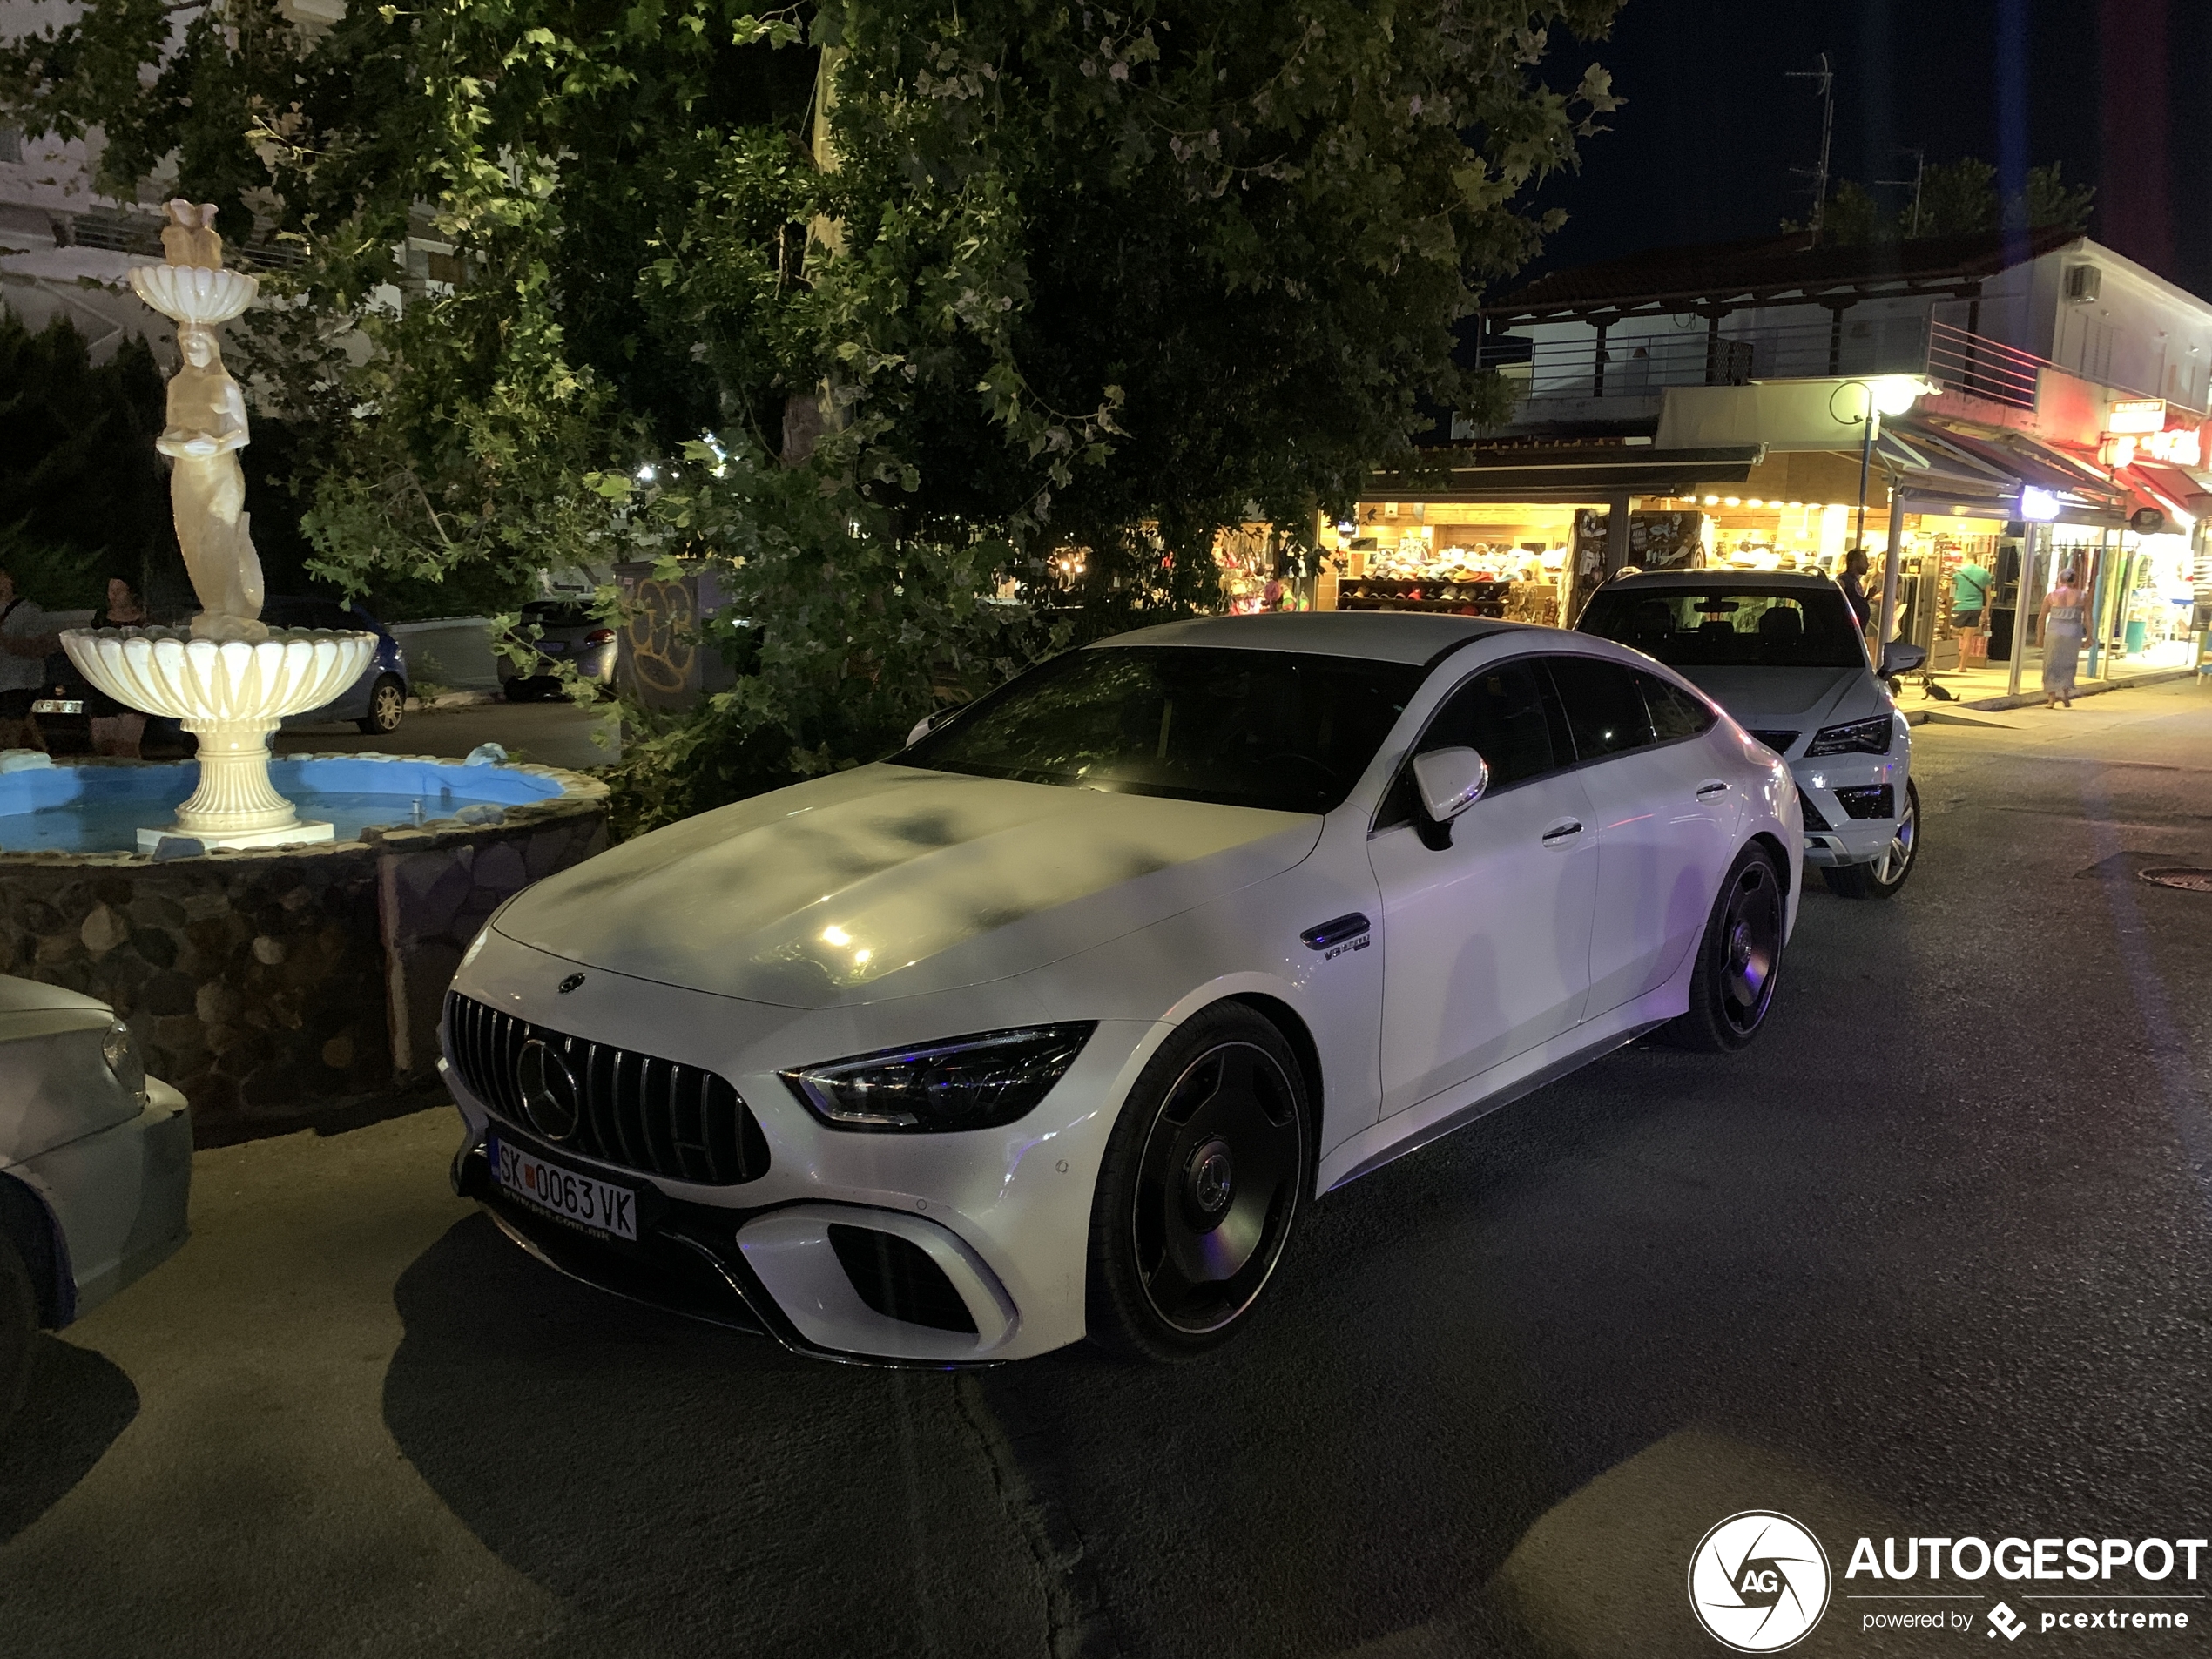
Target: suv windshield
1731,625
1280,730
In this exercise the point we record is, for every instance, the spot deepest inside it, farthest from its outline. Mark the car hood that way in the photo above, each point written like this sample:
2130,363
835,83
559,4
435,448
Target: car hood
1800,699
890,881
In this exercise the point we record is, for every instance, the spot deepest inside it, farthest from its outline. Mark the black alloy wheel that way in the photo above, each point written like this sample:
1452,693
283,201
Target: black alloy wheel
387,706
1882,877
1740,956
1203,1181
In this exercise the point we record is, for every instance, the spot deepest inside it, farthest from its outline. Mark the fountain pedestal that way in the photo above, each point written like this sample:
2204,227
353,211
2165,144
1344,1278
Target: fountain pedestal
230,694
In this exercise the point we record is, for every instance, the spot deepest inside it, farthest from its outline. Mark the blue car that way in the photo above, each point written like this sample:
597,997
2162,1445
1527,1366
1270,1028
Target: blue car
377,701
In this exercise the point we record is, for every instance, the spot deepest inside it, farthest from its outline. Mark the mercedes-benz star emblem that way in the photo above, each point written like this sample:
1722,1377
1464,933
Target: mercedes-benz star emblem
549,1097
570,983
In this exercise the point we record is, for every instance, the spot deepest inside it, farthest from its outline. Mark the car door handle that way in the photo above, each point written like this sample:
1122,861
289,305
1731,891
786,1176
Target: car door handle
1706,792
1566,830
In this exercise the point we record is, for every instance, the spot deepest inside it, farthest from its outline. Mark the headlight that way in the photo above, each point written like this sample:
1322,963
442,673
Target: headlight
978,1082
120,1049
1860,736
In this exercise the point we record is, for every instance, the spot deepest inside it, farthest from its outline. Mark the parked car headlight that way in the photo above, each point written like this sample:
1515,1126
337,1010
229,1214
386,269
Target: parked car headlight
120,1049
978,1082
1860,736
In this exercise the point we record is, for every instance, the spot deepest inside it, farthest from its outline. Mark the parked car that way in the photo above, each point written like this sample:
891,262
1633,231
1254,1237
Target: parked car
1783,653
557,631
95,1166
1052,1024
377,701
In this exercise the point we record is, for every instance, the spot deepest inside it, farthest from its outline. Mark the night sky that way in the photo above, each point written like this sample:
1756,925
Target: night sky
2114,90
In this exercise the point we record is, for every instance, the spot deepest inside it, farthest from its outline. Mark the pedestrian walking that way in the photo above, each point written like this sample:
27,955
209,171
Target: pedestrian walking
25,641
1970,586
2063,630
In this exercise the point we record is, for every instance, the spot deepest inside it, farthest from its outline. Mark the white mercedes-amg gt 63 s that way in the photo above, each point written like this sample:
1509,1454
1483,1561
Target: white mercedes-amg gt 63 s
1049,1025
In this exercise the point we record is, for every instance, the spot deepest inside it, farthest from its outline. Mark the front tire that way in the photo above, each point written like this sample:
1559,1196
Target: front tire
1732,985
18,1328
1882,877
387,706
1203,1181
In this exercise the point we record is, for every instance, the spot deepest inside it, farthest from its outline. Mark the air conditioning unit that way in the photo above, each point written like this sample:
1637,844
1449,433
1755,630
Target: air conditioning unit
2083,282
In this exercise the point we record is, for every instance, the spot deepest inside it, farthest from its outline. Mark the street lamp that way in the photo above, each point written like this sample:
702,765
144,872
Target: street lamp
1890,394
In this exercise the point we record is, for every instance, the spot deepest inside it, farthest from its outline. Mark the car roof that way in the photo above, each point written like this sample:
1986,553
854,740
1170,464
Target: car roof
1713,575
1412,637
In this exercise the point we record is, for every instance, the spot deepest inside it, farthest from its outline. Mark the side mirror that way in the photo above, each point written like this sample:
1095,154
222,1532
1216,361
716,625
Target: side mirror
1450,781
1901,659
921,730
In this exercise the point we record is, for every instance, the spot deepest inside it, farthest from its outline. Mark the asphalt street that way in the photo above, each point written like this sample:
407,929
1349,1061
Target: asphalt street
1930,1259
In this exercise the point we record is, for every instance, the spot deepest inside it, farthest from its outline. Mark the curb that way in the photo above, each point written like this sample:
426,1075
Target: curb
2028,700
451,700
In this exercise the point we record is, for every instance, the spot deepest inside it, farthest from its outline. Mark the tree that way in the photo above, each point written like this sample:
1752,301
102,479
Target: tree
1953,198
1040,274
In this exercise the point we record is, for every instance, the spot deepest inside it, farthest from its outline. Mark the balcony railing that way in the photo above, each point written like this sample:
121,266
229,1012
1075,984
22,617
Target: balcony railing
1596,365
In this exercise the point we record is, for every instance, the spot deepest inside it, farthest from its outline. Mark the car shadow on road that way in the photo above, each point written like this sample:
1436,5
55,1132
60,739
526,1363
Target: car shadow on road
79,1403
697,1485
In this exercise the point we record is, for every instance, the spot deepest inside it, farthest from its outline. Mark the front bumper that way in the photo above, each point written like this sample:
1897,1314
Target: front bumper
118,1197
1834,837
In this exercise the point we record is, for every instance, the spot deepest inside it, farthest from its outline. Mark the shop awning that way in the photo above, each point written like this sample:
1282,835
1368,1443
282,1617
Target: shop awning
1987,474
1564,473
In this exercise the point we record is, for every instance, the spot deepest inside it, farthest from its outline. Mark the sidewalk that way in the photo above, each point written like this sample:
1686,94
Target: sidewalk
1990,688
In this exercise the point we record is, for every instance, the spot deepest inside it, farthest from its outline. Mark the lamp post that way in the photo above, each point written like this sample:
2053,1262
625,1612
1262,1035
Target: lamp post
1884,394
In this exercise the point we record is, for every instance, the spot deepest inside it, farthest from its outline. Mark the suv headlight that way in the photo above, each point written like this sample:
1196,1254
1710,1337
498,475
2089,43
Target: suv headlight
1860,736
978,1082
120,1049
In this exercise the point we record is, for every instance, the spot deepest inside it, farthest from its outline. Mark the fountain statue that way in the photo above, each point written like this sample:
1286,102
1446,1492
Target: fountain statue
230,679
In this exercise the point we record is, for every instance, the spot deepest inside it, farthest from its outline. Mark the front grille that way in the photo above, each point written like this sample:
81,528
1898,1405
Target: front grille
1777,741
1813,819
657,1117
1874,800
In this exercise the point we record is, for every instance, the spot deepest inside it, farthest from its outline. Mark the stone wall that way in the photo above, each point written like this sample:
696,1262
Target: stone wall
279,988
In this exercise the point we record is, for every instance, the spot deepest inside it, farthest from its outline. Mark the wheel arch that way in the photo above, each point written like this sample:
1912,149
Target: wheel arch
1772,843
1285,1019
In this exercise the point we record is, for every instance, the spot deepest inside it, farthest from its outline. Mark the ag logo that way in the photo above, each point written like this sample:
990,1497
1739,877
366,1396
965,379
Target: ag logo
1758,1582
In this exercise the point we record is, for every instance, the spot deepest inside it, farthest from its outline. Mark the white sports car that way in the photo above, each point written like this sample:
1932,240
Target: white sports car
1781,653
1051,1024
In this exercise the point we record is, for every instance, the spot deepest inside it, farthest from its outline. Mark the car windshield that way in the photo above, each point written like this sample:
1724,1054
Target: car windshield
1280,730
1731,625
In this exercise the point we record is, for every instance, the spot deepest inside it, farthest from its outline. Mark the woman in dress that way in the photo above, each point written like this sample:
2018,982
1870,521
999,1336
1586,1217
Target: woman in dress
117,730
2063,628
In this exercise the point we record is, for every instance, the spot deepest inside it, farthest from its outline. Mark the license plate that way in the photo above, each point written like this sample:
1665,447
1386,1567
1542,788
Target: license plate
58,706
552,647
583,1199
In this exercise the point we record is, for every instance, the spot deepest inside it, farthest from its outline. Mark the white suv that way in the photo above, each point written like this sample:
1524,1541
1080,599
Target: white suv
1781,653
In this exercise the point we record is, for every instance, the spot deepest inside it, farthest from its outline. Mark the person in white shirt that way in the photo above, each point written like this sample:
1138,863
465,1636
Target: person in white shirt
25,640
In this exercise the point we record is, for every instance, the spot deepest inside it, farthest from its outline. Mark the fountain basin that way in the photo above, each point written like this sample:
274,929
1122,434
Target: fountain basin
287,987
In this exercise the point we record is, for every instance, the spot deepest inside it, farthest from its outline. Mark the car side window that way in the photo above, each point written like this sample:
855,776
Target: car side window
1506,713
1605,707
1675,712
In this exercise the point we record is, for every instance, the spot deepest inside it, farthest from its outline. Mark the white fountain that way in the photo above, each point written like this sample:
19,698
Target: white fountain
229,678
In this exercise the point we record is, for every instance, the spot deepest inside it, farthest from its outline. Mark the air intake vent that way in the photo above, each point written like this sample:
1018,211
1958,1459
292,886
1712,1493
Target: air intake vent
637,1110
896,1278
1777,741
1874,800
1813,819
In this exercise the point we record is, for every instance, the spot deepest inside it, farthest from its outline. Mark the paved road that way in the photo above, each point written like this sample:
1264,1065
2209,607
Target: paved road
1932,1259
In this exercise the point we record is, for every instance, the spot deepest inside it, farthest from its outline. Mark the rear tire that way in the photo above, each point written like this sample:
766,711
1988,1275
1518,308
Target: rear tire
1203,1178
1882,877
18,1328
387,706
1739,957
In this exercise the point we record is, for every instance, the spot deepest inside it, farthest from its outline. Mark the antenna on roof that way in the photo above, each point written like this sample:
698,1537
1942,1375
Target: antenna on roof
1920,178
1826,76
